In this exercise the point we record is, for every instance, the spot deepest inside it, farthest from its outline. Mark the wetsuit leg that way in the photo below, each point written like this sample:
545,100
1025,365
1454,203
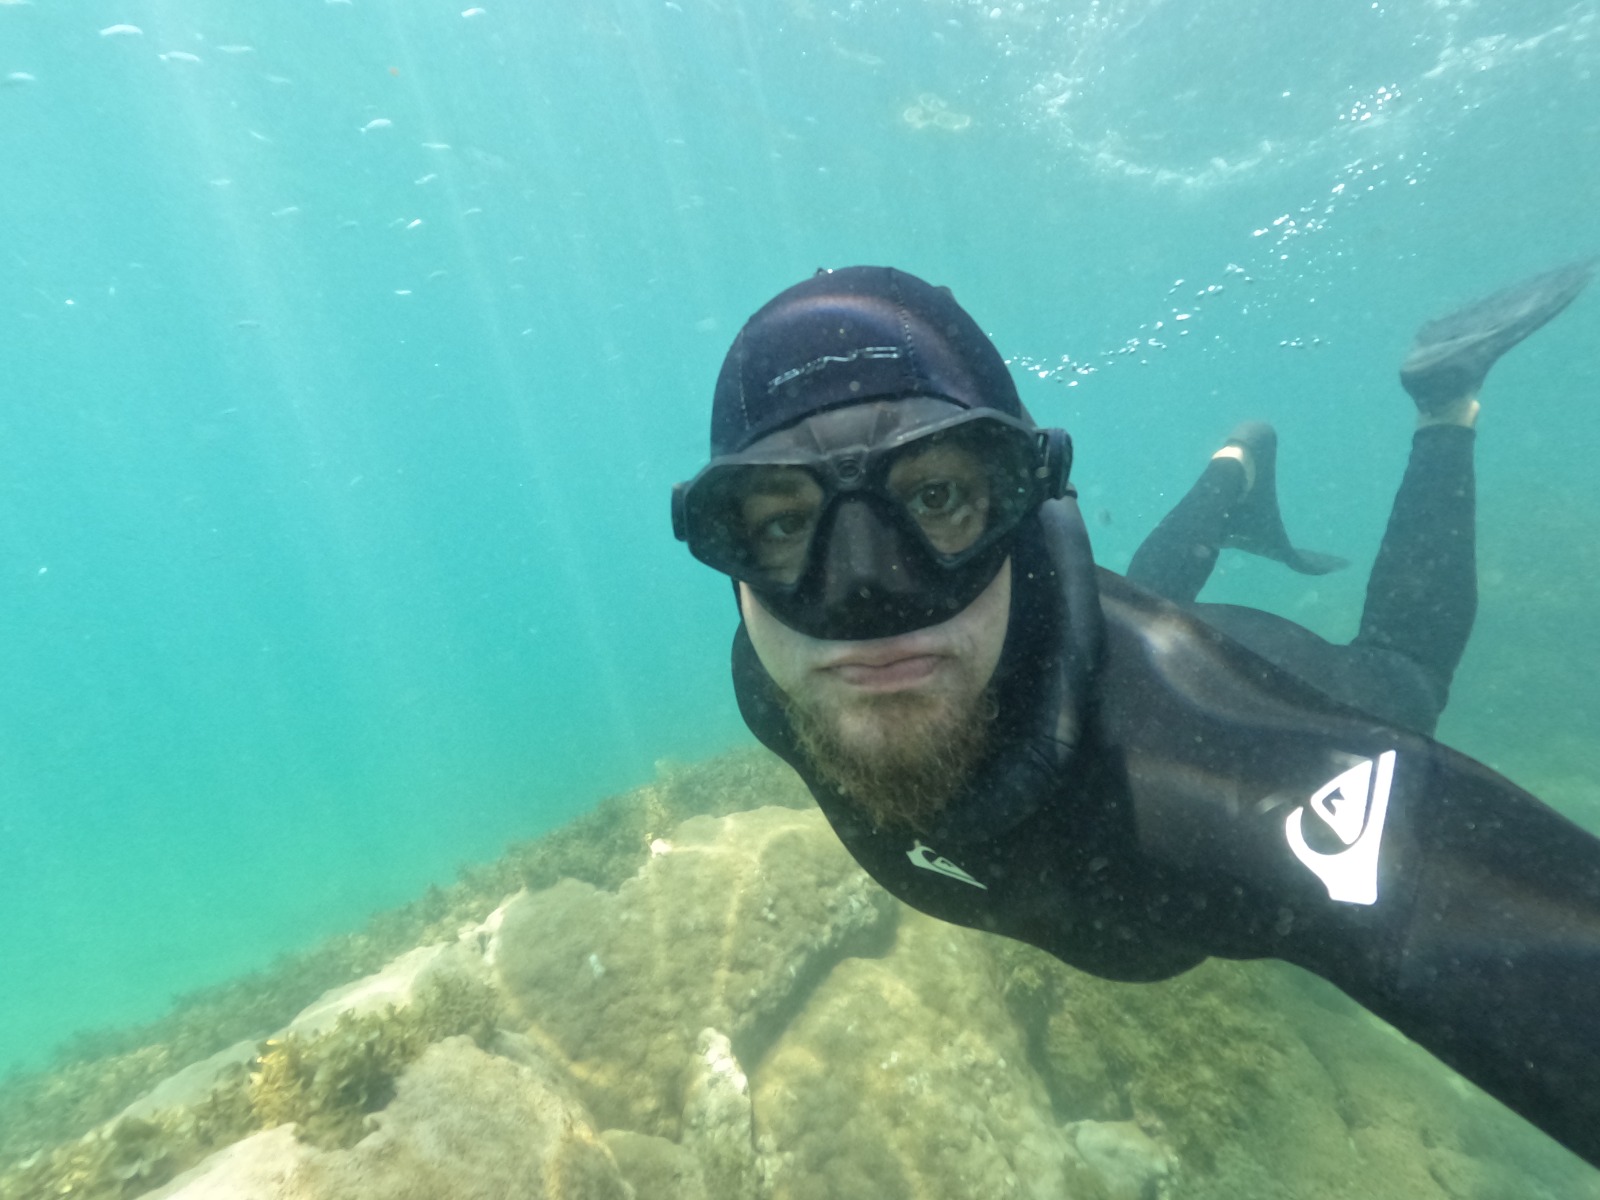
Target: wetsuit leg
1422,595
1177,558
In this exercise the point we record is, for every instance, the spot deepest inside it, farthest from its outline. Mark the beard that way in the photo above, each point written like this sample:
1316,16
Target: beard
901,758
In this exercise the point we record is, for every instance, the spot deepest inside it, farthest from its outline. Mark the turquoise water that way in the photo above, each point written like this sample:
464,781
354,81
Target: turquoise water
348,352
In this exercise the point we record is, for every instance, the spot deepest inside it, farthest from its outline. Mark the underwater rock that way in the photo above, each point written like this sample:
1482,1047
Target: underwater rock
1395,1121
318,1080
398,984
424,972
656,1168
747,1017
1266,1082
717,1121
727,926
194,1083
257,1168
45,1111
1131,1164
463,1124
906,1076
469,1125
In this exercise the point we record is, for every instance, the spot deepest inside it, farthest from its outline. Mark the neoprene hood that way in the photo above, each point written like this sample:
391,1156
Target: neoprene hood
841,337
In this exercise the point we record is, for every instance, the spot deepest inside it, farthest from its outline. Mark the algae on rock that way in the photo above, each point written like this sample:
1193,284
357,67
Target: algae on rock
327,1084
906,1077
728,1008
727,928
97,1075
463,1124
1267,1082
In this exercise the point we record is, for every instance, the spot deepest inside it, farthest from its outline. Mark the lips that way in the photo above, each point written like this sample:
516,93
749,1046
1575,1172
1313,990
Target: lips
891,675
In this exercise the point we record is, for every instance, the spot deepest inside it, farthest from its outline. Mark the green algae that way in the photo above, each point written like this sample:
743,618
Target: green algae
1185,1058
326,1085
45,1115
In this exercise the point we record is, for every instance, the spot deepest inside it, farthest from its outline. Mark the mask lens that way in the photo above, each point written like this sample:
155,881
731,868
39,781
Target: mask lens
956,491
965,485
756,522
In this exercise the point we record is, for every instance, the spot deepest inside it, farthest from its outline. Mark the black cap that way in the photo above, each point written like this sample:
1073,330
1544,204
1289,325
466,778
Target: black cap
845,336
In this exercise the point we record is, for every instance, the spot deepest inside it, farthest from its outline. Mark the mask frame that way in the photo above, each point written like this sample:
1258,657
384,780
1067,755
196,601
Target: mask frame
849,454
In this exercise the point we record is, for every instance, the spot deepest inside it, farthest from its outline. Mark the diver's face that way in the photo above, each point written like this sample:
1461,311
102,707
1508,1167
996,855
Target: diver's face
898,722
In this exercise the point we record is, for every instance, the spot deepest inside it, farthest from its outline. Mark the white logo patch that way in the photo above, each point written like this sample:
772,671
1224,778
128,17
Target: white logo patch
929,860
1353,805
829,360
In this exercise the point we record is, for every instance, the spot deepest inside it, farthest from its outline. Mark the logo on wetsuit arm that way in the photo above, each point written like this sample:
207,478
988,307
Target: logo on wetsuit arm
1352,805
930,860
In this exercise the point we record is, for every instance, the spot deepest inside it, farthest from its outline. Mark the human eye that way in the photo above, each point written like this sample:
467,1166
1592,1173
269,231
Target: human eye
946,493
782,527
938,498
779,542
778,520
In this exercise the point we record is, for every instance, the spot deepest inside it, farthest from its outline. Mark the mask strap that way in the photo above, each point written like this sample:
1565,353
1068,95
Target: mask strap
1082,624
1031,771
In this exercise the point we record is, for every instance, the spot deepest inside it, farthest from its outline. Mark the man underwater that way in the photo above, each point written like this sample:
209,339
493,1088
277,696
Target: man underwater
1010,738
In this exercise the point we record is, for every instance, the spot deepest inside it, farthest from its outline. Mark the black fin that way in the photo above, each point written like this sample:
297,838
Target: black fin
1254,523
1450,357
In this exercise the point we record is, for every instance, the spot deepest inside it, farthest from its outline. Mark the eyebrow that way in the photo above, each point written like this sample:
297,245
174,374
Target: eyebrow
958,456
789,485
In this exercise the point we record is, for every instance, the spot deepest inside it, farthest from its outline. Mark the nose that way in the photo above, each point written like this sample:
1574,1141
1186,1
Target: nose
865,558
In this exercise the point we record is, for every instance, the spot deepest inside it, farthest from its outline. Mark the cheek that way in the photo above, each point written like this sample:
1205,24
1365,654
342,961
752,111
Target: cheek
991,613
777,646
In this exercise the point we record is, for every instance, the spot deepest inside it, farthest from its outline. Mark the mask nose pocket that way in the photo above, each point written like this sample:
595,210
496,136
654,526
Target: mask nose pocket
866,560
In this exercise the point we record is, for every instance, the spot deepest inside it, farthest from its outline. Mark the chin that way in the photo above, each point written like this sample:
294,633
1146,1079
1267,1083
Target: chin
879,722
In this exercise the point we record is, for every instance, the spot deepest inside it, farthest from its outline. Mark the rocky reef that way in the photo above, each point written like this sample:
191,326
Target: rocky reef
673,1004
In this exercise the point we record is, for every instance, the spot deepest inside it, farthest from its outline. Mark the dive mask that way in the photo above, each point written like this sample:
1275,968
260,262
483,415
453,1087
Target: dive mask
875,519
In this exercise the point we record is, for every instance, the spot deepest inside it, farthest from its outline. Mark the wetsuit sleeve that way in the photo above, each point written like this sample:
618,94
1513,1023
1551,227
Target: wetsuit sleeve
1496,967
1431,890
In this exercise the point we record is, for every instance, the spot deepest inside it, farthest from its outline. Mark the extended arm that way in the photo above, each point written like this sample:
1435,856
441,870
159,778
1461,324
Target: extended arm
1436,893
1497,969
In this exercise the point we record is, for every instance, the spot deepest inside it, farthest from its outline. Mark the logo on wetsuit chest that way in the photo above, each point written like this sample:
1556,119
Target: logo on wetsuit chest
1352,806
930,860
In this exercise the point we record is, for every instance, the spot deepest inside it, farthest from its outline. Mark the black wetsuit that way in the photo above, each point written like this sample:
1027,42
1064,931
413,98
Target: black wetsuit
1422,595
1214,803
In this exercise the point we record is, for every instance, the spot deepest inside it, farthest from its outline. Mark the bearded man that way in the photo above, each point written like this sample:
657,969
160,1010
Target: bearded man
1010,738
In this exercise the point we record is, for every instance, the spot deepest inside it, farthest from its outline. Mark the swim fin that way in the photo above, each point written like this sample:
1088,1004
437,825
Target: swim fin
1451,356
1254,523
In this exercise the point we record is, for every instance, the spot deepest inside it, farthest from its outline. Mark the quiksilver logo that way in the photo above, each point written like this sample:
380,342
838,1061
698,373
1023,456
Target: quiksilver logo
931,860
1353,806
